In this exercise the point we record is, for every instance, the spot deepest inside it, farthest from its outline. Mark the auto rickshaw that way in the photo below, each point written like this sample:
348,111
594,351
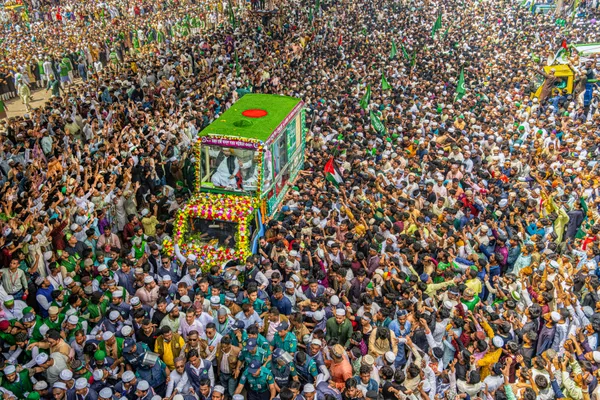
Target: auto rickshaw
565,83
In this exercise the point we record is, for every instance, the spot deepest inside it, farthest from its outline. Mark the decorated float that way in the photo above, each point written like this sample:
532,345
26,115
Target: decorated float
245,162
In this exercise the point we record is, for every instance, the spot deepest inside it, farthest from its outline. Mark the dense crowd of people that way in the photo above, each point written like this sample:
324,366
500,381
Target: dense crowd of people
458,258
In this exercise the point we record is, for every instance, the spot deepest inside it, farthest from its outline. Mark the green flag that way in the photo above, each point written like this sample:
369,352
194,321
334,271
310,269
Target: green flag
231,14
364,31
364,102
238,67
446,32
393,51
376,123
436,26
414,58
460,88
384,83
575,7
404,52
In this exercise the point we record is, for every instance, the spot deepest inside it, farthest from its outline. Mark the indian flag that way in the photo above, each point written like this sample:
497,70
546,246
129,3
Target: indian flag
332,174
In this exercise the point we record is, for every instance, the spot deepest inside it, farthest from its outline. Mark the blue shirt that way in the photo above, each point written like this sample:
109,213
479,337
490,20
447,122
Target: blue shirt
249,321
284,305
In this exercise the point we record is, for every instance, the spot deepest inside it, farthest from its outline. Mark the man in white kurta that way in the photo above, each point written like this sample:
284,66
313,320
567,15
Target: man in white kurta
228,168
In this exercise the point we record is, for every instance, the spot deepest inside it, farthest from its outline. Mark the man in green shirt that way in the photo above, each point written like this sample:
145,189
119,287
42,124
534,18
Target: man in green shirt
17,383
339,327
252,352
260,381
54,320
54,86
284,339
469,299
65,70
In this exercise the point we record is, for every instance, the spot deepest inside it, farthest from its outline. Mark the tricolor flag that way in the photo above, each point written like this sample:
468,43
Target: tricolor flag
332,174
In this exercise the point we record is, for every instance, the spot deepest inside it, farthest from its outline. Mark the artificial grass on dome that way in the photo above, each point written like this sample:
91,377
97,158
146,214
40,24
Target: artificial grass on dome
233,123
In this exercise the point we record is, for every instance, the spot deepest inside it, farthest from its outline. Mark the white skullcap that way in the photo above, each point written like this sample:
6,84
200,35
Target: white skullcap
219,389
107,335
389,356
126,330
98,374
340,311
148,279
73,319
143,386
497,341
334,300
66,375
40,385
128,376
309,388
81,383
106,393
113,315
41,358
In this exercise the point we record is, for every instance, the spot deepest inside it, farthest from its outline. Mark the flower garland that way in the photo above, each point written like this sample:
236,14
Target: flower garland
223,207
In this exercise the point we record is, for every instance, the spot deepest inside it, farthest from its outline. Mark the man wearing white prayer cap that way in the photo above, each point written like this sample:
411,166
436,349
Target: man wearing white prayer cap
66,376
105,394
18,384
148,294
127,385
83,390
143,391
58,390
218,392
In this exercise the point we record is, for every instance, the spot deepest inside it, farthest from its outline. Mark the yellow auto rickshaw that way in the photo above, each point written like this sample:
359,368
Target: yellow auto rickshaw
565,83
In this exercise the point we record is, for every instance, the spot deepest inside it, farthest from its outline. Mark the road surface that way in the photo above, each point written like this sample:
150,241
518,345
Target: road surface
16,107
